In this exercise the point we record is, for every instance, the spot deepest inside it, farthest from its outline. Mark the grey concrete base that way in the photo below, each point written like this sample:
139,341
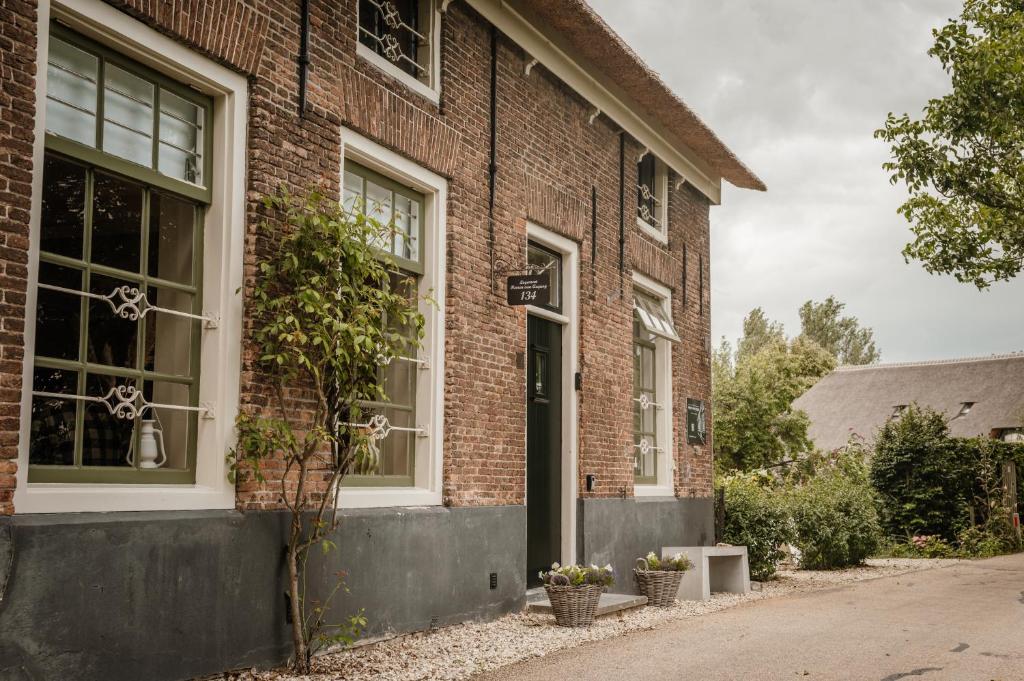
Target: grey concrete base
609,603
618,531
172,596
716,569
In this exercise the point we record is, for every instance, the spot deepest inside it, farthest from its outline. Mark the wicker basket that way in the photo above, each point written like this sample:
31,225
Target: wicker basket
574,606
660,586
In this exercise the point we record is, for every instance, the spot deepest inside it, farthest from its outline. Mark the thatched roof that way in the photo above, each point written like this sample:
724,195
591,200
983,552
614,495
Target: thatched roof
587,35
859,400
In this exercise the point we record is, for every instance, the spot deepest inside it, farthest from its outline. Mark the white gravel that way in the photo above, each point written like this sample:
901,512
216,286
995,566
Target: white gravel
460,651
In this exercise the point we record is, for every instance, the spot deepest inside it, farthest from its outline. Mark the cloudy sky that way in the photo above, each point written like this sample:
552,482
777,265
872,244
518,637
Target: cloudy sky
796,88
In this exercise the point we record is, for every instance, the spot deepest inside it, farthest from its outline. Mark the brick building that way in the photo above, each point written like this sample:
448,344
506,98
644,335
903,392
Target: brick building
138,137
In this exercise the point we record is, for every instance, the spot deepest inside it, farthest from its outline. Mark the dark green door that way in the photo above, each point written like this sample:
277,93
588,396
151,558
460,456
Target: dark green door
543,446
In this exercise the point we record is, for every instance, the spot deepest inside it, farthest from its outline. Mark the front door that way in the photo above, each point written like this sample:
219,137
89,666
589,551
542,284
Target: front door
543,446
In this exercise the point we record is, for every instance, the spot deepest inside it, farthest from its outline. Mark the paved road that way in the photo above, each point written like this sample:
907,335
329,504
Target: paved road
962,622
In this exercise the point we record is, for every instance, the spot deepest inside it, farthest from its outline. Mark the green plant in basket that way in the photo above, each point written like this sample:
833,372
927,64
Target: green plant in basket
676,563
578,575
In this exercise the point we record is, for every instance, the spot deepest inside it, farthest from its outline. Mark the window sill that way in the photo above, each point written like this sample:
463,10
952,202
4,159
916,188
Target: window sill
89,498
378,497
653,491
420,88
659,235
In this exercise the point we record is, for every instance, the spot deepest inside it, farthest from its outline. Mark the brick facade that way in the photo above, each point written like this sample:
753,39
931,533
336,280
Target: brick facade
551,162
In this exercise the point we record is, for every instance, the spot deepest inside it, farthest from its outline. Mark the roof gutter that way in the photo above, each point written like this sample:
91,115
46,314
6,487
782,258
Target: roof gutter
539,47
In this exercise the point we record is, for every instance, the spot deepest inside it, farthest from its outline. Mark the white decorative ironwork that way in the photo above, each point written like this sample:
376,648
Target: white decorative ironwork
125,402
129,302
646,402
646,447
384,360
648,195
390,45
378,428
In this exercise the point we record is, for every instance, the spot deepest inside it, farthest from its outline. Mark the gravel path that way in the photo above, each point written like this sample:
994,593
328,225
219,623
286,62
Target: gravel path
459,652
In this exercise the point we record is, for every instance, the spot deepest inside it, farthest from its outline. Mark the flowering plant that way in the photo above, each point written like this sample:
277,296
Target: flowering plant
577,575
677,563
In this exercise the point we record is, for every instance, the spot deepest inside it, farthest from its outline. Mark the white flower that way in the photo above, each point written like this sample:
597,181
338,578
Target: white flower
555,566
608,567
541,574
593,567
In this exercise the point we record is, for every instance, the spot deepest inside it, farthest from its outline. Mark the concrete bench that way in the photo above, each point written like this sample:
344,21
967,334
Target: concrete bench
715,569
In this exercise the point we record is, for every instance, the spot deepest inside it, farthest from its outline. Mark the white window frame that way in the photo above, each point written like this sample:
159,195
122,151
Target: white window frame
431,90
661,203
569,319
224,232
663,384
430,384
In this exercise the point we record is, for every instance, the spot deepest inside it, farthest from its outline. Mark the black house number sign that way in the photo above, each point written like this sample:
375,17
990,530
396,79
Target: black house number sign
529,289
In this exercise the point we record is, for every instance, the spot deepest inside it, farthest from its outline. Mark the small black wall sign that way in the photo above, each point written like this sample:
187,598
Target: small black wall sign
529,289
696,422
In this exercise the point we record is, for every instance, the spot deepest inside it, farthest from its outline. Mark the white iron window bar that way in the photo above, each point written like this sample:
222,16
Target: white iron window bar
378,428
130,303
644,207
389,44
646,402
125,402
385,361
646,447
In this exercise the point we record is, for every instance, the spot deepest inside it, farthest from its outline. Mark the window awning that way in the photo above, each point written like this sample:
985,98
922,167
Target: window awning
654,319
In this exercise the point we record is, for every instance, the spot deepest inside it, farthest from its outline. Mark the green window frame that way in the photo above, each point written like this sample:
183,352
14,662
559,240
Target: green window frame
645,405
109,222
378,196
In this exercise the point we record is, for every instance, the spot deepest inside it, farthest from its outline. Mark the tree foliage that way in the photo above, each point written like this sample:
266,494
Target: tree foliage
328,312
963,160
843,337
759,332
756,516
755,424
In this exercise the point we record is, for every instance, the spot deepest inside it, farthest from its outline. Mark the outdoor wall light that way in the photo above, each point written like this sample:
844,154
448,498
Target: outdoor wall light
591,481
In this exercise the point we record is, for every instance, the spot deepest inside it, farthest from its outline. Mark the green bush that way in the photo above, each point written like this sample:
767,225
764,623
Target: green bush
835,520
756,517
919,480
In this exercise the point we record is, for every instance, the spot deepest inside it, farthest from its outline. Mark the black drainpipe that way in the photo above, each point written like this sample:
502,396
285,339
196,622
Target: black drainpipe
684,275
303,55
593,240
492,167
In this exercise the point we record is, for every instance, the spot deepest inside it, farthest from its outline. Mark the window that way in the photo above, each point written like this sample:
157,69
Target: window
392,460
541,259
653,333
652,192
399,36
119,315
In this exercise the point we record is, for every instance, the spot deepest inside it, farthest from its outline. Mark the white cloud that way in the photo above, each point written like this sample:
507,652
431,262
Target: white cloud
796,88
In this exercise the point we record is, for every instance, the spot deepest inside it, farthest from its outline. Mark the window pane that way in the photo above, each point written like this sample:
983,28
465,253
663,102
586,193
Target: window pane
169,337
352,198
181,138
128,116
396,448
179,164
172,427
407,221
71,92
116,223
171,225
58,314
52,438
541,258
63,220
106,438
111,339
378,207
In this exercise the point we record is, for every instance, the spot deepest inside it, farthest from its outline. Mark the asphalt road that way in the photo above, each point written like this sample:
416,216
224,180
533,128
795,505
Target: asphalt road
963,622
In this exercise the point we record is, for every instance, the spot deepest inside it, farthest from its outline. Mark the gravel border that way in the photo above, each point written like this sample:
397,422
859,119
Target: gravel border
458,652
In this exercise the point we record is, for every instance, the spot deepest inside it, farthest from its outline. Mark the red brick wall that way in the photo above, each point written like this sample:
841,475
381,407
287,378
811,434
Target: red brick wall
549,159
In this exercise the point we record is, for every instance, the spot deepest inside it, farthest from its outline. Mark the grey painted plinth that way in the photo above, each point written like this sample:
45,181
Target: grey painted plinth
609,603
168,596
618,531
715,569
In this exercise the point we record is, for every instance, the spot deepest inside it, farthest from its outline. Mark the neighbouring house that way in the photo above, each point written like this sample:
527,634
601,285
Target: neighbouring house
980,396
138,137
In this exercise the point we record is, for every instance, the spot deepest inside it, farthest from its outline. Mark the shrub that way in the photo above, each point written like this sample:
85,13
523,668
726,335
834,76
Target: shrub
918,477
977,542
756,517
835,520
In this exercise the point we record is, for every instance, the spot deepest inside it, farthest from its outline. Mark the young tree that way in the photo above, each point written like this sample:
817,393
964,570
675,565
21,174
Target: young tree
329,312
963,160
843,337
